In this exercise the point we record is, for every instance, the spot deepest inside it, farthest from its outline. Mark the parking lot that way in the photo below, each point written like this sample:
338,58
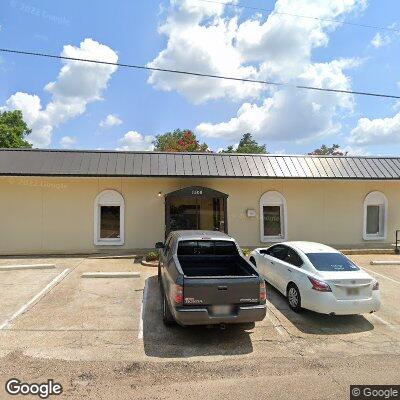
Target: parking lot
102,336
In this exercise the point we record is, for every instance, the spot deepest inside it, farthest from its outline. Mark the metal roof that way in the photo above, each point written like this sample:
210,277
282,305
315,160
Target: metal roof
27,162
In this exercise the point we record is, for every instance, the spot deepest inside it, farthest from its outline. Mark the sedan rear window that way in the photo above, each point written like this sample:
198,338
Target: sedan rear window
331,262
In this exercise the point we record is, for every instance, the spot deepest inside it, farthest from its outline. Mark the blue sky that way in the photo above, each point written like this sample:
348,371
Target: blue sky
204,37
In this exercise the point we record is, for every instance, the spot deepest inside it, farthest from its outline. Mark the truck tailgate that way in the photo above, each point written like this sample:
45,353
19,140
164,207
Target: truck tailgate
208,291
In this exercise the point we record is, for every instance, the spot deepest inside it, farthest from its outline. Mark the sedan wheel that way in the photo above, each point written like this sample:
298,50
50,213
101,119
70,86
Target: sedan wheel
294,299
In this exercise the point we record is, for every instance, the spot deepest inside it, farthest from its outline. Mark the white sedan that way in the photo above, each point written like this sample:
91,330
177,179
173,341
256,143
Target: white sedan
318,278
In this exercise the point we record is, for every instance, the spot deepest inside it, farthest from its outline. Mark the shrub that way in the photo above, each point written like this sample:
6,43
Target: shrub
152,256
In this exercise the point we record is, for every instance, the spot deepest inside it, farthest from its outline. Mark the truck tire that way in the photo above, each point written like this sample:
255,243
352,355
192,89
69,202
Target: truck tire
168,318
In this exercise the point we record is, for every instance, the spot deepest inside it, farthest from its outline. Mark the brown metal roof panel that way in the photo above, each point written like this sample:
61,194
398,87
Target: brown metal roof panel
102,166
212,166
137,164
146,165
300,171
389,168
252,166
367,166
120,167
284,168
382,168
312,167
112,164
48,162
94,160
187,164
292,169
365,173
196,165
75,166
224,166
154,164
320,167
84,167
244,167
275,166
237,170
162,164
327,168
260,166
128,170
395,164
204,166
179,165
333,167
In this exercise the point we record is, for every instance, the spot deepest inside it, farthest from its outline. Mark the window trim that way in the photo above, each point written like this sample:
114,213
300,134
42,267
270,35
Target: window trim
109,197
376,198
273,198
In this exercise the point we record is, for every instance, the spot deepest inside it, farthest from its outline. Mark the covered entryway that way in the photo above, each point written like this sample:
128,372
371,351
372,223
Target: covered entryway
196,207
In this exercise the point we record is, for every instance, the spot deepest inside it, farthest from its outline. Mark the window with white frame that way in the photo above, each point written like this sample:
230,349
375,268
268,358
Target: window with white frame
273,217
109,208
375,216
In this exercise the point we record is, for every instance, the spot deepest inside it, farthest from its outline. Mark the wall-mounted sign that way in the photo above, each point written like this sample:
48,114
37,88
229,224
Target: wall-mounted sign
251,213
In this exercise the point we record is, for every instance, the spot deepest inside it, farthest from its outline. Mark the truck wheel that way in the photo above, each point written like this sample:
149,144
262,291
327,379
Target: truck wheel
294,298
168,318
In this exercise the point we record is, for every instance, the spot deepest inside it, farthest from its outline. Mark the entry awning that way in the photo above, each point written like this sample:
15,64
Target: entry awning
197,191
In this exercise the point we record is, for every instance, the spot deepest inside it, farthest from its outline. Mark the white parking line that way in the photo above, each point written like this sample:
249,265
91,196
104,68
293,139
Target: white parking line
383,276
34,299
383,321
142,310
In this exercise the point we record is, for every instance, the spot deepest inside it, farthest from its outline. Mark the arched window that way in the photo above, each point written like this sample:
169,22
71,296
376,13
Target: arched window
109,208
375,216
273,217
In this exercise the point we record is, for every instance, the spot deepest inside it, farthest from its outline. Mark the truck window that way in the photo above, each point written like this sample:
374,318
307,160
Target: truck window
206,247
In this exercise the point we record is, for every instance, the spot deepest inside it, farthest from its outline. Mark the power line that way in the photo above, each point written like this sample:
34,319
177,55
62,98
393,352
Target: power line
270,10
181,72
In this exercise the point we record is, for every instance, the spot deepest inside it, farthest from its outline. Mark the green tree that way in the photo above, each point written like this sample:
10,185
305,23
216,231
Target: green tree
247,145
180,141
324,150
13,130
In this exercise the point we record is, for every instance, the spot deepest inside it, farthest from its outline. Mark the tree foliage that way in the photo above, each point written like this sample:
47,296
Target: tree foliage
13,130
324,150
247,145
179,141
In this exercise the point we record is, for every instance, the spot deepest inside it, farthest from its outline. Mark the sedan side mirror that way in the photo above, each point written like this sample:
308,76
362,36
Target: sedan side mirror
159,245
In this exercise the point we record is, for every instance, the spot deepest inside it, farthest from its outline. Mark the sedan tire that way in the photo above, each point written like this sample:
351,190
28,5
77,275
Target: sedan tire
294,298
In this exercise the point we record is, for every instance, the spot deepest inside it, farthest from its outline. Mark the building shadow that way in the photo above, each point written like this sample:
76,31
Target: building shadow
194,341
314,323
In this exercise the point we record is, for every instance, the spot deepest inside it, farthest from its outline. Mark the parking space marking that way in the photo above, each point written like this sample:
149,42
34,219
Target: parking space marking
34,299
383,276
142,310
383,321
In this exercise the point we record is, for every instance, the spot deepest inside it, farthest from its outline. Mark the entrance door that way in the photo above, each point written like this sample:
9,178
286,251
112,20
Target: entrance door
195,208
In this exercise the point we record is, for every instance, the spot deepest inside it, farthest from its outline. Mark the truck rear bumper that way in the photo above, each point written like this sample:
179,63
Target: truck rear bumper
201,316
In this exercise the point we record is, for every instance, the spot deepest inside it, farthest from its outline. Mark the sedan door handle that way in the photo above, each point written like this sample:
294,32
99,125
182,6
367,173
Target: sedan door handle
272,262
289,270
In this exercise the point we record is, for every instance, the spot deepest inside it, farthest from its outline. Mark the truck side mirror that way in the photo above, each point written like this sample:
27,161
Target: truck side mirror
159,245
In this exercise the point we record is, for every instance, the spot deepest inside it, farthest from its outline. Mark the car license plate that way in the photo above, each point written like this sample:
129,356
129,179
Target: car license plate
221,310
353,291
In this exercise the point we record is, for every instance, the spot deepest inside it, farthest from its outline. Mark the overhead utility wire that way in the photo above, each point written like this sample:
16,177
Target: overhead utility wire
270,10
175,71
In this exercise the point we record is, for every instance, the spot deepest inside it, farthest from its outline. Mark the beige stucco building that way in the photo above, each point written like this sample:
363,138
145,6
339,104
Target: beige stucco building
75,202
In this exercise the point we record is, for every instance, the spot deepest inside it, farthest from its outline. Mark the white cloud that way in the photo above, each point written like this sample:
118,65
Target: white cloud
110,121
376,131
272,48
77,85
67,142
292,114
380,40
133,140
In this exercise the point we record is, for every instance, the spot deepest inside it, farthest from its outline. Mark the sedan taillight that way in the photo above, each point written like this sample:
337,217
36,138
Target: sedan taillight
320,286
375,285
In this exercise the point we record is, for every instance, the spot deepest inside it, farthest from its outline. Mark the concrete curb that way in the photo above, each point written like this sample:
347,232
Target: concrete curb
111,275
395,262
22,267
149,263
